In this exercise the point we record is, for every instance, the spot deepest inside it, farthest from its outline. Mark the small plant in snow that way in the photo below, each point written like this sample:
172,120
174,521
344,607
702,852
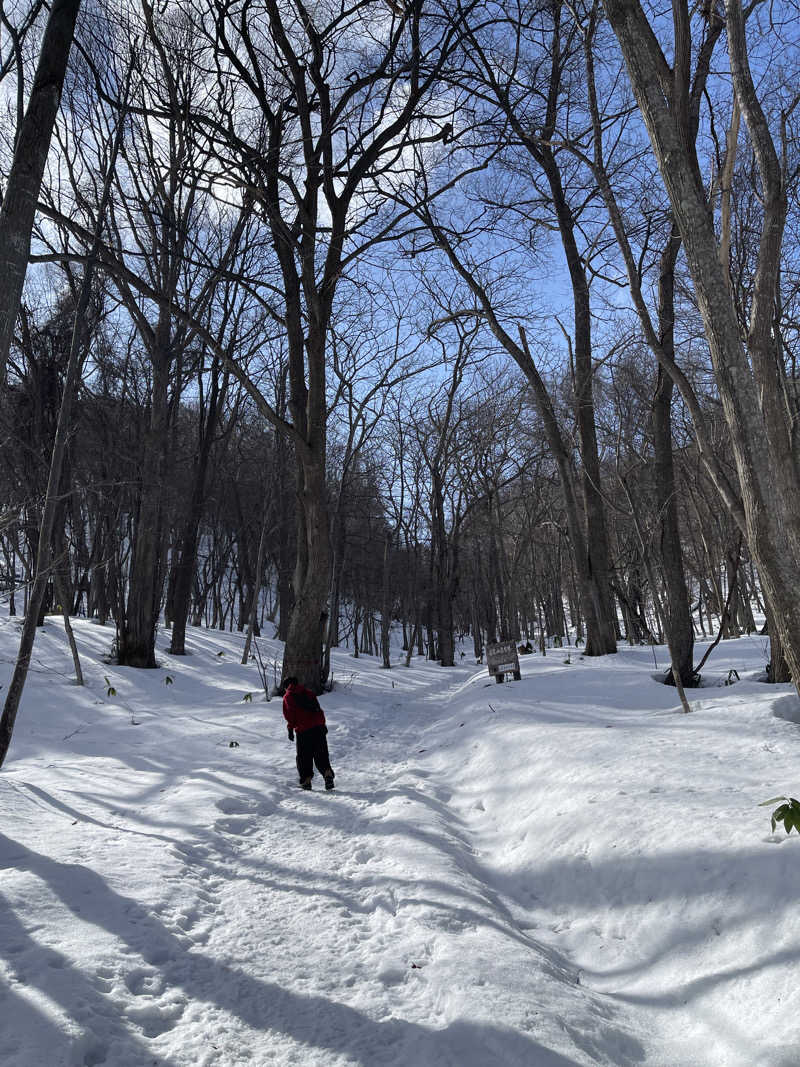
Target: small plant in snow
221,652
788,813
248,698
168,680
110,691
733,677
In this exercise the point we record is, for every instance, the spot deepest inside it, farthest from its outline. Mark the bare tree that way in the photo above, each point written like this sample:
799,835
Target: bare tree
321,108
526,70
749,375
32,144
71,384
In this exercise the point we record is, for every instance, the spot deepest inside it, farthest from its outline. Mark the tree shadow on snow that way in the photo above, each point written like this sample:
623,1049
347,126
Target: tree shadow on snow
581,885
65,984
626,883
787,707
264,1006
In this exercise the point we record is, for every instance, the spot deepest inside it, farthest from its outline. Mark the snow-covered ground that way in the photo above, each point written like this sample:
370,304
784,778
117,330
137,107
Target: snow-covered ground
562,870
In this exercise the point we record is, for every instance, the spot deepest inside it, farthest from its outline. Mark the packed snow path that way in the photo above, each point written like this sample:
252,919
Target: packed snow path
559,871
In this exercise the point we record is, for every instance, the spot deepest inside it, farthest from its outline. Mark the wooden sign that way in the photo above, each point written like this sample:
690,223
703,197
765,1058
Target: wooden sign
502,659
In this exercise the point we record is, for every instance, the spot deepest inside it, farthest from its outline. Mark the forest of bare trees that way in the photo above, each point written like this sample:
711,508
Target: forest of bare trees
465,319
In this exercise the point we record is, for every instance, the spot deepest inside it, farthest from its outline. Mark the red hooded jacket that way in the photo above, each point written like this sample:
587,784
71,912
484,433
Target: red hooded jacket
301,709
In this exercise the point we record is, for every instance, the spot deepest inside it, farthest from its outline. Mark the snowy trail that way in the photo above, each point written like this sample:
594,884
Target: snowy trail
359,925
502,876
344,905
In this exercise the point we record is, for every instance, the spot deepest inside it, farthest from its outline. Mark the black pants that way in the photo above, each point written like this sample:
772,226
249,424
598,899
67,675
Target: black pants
312,747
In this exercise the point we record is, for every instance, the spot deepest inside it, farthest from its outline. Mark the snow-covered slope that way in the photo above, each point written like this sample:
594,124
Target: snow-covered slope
562,870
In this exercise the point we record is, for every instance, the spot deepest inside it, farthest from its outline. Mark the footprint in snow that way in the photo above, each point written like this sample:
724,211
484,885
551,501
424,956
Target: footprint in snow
156,955
155,1021
95,1055
384,901
211,898
105,977
191,855
188,919
234,806
240,827
145,983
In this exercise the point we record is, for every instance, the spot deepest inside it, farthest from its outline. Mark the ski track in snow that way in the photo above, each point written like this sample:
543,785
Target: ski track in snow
168,900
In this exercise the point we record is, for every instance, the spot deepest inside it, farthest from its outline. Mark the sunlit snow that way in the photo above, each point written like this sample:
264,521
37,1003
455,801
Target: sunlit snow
562,870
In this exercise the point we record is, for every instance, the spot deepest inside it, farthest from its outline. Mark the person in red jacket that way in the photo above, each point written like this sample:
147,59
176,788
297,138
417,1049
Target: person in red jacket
306,719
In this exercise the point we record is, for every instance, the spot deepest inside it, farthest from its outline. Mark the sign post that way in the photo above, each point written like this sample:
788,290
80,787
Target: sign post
502,659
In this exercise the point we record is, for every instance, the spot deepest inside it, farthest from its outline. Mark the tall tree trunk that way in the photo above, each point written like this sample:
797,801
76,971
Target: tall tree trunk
262,545
386,603
601,638
137,647
284,570
339,549
677,617
186,548
777,668
593,603
61,593
303,650
27,168
594,568
443,575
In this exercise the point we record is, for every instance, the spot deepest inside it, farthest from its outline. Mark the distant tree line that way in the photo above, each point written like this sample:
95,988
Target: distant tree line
455,526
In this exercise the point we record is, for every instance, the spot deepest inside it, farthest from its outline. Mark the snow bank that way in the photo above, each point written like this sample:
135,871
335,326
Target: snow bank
561,870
